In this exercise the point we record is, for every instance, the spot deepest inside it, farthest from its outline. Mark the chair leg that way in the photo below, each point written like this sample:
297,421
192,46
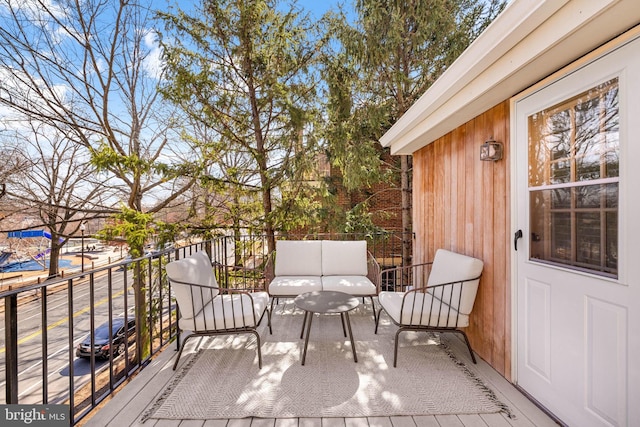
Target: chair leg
466,340
395,346
373,309
175,364
378,319
184,342
254,332
273,300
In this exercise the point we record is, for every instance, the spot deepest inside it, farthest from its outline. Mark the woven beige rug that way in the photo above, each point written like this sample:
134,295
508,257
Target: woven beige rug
222,379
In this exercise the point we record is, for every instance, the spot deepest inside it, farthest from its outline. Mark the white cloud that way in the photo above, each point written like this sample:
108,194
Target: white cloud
153,61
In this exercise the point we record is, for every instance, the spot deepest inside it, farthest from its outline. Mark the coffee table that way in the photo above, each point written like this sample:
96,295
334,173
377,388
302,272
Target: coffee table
326,302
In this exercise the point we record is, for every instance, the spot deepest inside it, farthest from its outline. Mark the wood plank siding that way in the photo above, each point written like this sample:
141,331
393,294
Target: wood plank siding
462,204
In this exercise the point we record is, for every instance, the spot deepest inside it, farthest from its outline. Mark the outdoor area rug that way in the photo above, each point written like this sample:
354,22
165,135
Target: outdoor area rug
222,379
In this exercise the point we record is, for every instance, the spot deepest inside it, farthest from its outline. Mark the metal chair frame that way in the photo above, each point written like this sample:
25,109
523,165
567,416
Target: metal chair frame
445,312
207,294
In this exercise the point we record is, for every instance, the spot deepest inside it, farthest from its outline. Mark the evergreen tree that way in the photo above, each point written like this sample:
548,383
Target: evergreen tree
245,70
378,67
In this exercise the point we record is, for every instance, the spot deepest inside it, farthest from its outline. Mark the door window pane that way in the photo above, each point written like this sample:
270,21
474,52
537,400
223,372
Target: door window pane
573,181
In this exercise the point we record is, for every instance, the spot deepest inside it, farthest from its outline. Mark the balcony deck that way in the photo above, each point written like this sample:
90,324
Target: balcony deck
128,405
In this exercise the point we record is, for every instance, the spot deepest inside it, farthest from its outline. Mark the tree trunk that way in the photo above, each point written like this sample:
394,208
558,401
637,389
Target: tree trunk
237,244
407,235
142,327
54,257
140,287
268,226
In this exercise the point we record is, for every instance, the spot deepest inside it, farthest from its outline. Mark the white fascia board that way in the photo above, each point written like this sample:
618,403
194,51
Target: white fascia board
517,49
516,21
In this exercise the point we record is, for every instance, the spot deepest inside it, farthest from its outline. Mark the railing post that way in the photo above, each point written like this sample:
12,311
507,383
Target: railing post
225,258
138,303
11,345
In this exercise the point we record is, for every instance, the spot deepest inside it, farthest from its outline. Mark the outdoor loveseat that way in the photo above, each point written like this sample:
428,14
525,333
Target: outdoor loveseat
301,266
205,309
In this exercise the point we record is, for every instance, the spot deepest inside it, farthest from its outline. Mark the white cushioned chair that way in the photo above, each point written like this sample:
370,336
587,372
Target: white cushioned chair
206,309
442,305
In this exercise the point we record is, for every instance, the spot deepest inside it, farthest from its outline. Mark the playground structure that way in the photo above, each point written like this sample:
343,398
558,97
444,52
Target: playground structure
36,248
4,256
29,250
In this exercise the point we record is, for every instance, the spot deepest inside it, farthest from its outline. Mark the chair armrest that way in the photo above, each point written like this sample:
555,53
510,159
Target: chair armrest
270,268
420,307
406,277
451,298
373,271
209,290
442,288
195,298
232,309
250,279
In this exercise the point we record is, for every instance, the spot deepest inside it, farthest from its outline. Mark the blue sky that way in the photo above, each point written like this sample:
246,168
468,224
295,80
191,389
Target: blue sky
319,7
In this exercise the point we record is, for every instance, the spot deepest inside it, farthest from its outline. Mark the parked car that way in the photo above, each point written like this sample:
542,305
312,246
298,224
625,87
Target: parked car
101,339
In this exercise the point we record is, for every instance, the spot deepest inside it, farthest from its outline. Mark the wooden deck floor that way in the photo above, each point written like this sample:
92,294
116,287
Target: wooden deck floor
128,405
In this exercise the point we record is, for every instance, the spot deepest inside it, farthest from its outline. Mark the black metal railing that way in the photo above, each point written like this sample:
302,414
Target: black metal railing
241,260
46,322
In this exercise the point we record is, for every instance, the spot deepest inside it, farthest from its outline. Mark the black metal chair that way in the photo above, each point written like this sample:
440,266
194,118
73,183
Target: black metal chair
206,310
442,305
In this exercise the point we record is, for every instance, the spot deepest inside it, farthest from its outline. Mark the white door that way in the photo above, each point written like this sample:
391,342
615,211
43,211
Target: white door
577,190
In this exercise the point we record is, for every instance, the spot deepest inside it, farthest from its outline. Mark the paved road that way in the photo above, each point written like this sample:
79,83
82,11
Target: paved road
58,316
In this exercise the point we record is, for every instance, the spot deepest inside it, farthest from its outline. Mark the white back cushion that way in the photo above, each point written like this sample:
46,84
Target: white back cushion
344,258
195,269
453,267
298,258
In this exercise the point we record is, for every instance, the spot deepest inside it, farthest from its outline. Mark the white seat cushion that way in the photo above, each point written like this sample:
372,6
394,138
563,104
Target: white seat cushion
344,258
450,267
298,258
353,285
195,269
294,285
421,309
228,311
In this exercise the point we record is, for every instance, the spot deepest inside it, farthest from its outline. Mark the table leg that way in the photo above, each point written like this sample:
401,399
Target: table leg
306,339
344,329
353,344
304,322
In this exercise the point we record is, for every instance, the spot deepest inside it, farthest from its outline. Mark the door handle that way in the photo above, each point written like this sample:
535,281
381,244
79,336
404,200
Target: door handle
517,236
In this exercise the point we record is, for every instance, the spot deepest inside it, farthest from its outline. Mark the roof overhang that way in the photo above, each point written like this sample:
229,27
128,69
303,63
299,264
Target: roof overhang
527,42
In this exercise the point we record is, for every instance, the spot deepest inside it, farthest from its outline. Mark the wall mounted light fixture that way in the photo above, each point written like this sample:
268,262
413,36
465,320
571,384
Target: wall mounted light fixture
491,150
